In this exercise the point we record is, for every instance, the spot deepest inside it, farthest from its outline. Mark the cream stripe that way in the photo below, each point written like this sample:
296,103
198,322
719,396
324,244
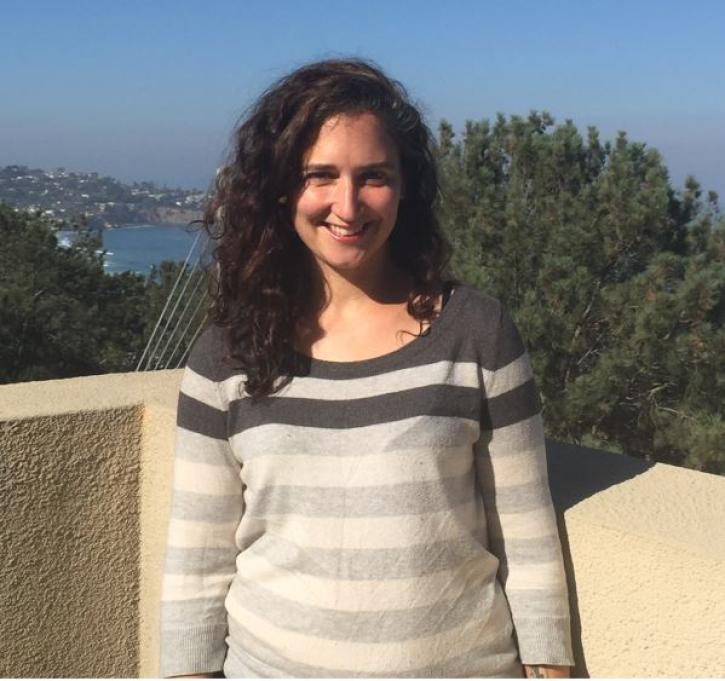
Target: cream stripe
516,469
198,447
193,534
444,372
200,388
536,576
370,470
529,525
188,587
205,479
410,433
232,388
508,377
371,658
388,532
368,594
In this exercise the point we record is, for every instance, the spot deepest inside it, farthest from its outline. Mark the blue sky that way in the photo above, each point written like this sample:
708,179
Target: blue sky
151,90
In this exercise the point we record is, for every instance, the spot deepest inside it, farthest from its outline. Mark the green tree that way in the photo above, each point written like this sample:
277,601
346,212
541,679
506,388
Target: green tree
61,314
571,235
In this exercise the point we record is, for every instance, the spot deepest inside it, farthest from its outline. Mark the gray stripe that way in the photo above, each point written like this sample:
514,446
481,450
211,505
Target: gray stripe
531,604
393,563
435,434
509,344
532,551
206,507
369,626
207,355
408,498
431,400
513,406
201,418
195,561
517,498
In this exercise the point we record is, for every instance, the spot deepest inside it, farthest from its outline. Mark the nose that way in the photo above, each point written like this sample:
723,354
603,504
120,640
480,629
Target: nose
346,200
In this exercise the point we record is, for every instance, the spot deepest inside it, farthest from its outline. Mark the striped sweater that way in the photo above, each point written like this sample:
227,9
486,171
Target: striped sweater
384,517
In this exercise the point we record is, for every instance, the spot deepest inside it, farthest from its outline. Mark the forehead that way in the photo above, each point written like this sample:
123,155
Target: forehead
361,136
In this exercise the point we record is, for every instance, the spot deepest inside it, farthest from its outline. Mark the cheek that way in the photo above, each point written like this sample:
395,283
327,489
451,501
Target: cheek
388,204
380,199
309,206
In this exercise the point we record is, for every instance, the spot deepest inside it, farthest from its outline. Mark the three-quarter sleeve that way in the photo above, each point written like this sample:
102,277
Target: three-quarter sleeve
206,508
522,528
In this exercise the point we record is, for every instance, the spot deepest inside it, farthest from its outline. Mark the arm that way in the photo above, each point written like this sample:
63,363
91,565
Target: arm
207,506
523,534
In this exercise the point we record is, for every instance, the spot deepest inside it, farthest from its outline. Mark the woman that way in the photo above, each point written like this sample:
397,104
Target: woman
360,482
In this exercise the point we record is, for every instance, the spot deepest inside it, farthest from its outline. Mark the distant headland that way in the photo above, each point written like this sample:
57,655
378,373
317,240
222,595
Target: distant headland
89,199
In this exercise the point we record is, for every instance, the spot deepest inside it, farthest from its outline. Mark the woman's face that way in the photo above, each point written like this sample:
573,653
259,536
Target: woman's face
348,203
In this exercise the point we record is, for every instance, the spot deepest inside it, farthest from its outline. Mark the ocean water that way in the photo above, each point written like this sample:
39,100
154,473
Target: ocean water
137,248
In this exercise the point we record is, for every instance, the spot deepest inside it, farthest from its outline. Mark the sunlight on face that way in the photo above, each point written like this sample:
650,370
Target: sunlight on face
348,204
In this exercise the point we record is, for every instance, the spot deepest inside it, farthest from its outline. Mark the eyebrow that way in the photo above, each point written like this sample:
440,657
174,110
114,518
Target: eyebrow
382,165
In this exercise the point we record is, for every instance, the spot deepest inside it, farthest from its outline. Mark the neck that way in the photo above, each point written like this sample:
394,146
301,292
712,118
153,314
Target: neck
340,294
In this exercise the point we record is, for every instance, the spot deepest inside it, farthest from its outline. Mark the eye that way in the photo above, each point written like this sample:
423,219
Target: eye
319,177
375,177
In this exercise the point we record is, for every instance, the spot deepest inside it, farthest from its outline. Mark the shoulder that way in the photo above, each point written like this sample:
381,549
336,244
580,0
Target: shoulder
477,306
487,321
208,356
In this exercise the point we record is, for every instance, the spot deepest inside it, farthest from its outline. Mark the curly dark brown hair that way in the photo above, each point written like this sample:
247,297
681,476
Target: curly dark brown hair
257,296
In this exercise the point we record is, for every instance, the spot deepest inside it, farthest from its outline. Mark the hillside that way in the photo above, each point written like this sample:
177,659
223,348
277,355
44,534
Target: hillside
72,198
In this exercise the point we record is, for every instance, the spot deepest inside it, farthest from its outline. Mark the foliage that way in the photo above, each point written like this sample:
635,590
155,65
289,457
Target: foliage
616,281
62,315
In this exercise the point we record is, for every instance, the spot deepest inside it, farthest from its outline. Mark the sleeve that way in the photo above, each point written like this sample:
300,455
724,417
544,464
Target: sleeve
206,508
512,473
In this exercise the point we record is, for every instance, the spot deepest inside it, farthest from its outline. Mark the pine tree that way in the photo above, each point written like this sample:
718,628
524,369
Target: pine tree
615,280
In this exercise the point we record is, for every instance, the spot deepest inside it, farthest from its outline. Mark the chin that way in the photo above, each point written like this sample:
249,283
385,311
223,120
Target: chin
345,267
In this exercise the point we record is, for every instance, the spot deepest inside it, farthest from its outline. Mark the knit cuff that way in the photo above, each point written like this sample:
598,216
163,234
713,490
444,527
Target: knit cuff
545,640
194,650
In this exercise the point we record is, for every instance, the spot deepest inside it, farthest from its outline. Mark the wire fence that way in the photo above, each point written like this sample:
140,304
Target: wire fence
181,319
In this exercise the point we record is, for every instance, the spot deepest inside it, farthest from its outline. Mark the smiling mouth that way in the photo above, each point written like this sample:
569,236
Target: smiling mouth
342,231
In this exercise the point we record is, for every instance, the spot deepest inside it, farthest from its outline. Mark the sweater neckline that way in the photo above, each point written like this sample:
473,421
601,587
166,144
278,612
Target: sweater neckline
324,368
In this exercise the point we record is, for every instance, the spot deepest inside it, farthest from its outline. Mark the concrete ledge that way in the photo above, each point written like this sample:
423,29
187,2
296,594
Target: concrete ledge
645,551
85,475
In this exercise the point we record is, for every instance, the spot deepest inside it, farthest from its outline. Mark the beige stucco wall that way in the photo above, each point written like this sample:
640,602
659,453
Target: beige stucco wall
85,469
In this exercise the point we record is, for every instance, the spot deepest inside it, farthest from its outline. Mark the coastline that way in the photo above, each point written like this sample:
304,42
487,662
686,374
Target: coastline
164,217
138,247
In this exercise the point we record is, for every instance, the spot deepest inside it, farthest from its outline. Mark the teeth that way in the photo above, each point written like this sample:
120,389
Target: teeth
338,231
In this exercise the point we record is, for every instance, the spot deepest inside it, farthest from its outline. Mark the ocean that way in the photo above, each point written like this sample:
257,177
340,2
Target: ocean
137,248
